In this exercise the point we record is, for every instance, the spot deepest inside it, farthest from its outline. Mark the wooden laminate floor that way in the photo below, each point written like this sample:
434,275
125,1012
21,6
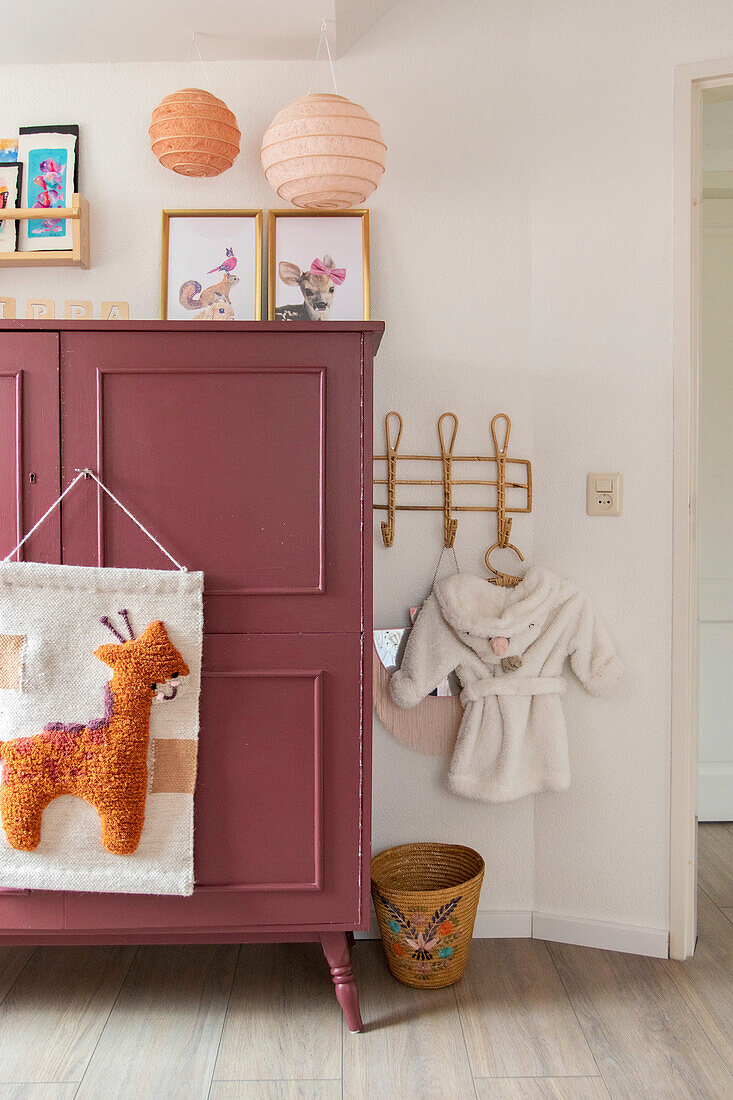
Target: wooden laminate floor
529,1021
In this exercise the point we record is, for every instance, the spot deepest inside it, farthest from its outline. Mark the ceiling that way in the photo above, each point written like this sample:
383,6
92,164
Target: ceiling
50,31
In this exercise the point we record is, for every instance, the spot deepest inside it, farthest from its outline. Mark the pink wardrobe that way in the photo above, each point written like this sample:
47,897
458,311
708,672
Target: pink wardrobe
246,448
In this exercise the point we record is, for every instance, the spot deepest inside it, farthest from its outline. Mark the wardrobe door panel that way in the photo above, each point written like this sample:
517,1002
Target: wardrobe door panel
29,442
240,452
278,805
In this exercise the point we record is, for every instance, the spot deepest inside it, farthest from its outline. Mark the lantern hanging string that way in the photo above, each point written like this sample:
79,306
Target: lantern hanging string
321,40
203,66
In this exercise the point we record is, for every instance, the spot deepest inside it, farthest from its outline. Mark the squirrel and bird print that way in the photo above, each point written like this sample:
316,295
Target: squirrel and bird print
214,302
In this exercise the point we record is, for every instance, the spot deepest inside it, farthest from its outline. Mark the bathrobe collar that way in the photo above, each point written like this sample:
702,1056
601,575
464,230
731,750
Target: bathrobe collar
472,604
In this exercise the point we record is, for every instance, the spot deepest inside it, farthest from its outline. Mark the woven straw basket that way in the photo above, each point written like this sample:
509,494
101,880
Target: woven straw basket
426,897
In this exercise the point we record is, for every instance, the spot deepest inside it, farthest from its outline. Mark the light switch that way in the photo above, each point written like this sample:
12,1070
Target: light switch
603,493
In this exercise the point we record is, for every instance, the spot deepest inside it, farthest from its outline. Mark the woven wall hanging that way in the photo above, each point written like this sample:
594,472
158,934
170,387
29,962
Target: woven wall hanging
100,672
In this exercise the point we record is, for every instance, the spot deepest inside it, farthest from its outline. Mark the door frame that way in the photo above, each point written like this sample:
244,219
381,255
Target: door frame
691,83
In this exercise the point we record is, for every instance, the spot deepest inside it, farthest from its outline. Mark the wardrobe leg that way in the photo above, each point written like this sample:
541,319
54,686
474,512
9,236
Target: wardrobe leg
336,949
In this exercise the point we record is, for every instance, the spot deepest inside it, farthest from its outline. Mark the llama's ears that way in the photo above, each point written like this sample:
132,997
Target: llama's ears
156,634
108,653
155,628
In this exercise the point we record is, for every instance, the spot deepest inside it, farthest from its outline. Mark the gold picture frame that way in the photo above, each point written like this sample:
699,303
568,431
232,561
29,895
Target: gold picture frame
273,259
255,215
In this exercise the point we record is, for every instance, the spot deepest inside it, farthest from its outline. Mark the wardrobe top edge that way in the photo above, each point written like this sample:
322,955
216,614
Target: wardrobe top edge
293,327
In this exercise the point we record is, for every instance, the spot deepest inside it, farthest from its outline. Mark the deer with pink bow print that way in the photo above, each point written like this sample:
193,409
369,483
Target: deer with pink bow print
317,285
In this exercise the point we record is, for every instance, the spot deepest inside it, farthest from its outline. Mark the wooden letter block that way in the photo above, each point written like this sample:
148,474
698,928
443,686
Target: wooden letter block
76,310
7,307
115,311
40,309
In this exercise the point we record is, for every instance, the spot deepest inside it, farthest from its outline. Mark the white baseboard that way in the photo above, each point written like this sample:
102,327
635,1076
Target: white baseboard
492,924
629,938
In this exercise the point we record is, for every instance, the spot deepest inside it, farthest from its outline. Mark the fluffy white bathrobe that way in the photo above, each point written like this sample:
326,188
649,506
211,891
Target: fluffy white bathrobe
513,738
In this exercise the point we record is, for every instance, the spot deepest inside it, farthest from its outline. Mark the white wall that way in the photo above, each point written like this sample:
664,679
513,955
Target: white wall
522,259
451,261
602,310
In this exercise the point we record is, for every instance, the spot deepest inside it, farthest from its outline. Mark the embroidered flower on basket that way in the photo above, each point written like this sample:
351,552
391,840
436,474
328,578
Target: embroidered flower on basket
428,939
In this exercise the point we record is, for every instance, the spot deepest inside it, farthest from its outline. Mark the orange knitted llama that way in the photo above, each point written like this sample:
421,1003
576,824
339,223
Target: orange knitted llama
103,762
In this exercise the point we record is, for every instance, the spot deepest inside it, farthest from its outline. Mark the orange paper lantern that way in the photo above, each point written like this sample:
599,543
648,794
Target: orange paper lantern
323,152
194,133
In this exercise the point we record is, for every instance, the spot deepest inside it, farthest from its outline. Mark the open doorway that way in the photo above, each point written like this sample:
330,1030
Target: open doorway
715,500
702,711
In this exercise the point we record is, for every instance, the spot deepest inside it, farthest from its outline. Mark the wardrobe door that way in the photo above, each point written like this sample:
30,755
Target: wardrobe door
240,451
29,442
29,484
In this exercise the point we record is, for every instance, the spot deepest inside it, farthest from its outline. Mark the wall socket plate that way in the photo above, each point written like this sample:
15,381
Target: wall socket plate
603,494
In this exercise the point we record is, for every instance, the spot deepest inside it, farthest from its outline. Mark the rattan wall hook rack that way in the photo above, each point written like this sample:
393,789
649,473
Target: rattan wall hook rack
447,432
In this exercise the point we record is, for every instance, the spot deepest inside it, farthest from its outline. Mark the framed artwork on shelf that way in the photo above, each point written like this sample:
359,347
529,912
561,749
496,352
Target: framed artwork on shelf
318,265
211,265
10,175
50,158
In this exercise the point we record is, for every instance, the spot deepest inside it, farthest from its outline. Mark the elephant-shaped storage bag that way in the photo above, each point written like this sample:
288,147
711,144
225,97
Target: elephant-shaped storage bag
508,647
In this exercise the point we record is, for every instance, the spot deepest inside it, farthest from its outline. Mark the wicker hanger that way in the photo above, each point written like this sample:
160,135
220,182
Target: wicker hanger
503,523
393,425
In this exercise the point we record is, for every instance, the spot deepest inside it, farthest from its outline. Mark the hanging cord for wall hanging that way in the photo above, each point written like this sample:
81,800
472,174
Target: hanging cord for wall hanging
321,40
87,473
206,74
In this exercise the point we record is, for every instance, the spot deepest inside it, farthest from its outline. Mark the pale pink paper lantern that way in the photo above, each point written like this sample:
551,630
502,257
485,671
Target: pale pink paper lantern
323,152
194,133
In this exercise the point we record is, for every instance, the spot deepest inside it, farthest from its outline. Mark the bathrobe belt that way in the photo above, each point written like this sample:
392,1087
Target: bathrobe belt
512,685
